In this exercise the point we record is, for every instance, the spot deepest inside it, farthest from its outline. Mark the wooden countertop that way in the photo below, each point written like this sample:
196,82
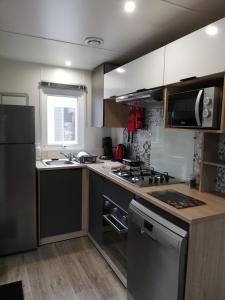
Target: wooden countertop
214,208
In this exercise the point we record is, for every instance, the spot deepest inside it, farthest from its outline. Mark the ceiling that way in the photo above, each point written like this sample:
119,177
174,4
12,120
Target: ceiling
52,31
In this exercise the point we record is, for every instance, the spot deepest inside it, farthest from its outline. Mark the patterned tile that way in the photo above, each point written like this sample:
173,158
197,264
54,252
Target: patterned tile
220,180
221,148
141,146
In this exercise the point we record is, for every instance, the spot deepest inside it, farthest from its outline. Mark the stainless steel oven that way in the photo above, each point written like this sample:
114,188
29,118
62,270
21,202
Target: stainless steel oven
199,108
114,236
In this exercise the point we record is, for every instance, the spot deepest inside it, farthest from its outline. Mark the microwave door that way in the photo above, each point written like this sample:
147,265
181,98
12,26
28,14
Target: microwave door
198,106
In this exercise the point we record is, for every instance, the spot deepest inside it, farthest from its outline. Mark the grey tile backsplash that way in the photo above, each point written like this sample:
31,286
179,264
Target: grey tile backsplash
164,150
178,153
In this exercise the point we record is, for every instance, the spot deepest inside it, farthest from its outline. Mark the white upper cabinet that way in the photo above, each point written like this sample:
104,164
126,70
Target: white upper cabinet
115,82
197,54
146,72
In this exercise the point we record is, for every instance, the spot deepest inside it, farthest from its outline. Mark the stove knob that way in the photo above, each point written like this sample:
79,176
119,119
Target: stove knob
207,100
206,113
107,203
115,209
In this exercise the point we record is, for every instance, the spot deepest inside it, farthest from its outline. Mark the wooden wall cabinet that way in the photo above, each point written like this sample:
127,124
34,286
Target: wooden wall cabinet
196,54
115,114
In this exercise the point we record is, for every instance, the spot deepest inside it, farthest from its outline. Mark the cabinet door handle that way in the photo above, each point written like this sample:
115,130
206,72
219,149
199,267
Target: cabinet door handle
188,78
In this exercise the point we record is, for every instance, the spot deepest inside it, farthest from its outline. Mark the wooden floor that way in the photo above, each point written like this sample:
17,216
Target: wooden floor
66,270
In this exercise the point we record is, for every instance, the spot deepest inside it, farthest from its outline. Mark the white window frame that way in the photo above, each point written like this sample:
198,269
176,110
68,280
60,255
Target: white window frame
79,145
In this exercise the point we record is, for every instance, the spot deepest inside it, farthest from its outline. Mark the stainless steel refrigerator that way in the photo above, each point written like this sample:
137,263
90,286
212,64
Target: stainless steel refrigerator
18,229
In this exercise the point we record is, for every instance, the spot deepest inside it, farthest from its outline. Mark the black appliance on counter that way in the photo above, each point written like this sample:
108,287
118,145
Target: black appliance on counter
144,177
107,148
18,229
200,108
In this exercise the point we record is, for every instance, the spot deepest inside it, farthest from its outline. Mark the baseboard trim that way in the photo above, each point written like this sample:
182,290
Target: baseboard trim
62,237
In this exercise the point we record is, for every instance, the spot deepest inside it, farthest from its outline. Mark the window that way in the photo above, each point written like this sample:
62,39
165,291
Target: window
61,120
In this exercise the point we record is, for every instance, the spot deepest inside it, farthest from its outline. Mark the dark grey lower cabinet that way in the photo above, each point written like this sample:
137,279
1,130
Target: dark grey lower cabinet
99,186
117,194
95,206
60,200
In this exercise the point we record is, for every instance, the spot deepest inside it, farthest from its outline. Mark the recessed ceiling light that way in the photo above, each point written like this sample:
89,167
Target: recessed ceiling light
129,6
211,30
94,41
68,63
120,70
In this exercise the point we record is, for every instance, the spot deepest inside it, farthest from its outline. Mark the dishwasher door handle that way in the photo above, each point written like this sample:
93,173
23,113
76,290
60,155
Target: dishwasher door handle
144,231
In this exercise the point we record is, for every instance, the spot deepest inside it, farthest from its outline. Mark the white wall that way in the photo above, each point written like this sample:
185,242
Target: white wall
117,135
23,77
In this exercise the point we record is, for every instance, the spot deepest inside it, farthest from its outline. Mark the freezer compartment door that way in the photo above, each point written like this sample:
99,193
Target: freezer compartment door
18,230
17,124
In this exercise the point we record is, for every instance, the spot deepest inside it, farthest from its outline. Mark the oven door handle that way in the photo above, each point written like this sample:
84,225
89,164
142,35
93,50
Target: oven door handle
197,108
114,223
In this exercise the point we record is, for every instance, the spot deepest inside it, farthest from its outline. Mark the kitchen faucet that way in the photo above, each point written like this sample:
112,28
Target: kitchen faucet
69,156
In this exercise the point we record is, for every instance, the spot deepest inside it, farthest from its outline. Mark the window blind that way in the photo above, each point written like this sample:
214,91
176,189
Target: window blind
51,88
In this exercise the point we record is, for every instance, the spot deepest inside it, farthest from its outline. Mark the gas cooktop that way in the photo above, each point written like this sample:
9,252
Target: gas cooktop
176,199
145,177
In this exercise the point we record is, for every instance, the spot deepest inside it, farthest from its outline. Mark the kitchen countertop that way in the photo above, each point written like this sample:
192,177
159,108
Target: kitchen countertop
214,208
40,166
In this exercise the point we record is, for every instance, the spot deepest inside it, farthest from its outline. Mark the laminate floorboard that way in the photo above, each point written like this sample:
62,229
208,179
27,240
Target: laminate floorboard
69,270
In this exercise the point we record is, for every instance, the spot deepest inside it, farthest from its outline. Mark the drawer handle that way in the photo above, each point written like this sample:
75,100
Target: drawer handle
115,224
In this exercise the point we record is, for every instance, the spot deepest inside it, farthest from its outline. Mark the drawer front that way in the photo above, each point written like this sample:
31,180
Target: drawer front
117,194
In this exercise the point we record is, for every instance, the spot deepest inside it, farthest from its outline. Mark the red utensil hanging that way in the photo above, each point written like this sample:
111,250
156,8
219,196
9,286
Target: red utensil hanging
131,127
139,118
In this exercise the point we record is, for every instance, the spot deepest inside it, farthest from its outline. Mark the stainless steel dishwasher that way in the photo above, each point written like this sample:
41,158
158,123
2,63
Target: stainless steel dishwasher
157,251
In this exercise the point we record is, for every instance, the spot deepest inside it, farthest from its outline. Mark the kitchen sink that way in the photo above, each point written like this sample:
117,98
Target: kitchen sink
59,162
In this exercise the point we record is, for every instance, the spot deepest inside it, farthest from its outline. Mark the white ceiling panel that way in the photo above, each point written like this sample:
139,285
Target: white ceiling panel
64,24
43,51
213,8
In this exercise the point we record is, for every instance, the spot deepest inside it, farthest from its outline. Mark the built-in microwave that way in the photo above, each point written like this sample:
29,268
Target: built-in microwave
200,108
